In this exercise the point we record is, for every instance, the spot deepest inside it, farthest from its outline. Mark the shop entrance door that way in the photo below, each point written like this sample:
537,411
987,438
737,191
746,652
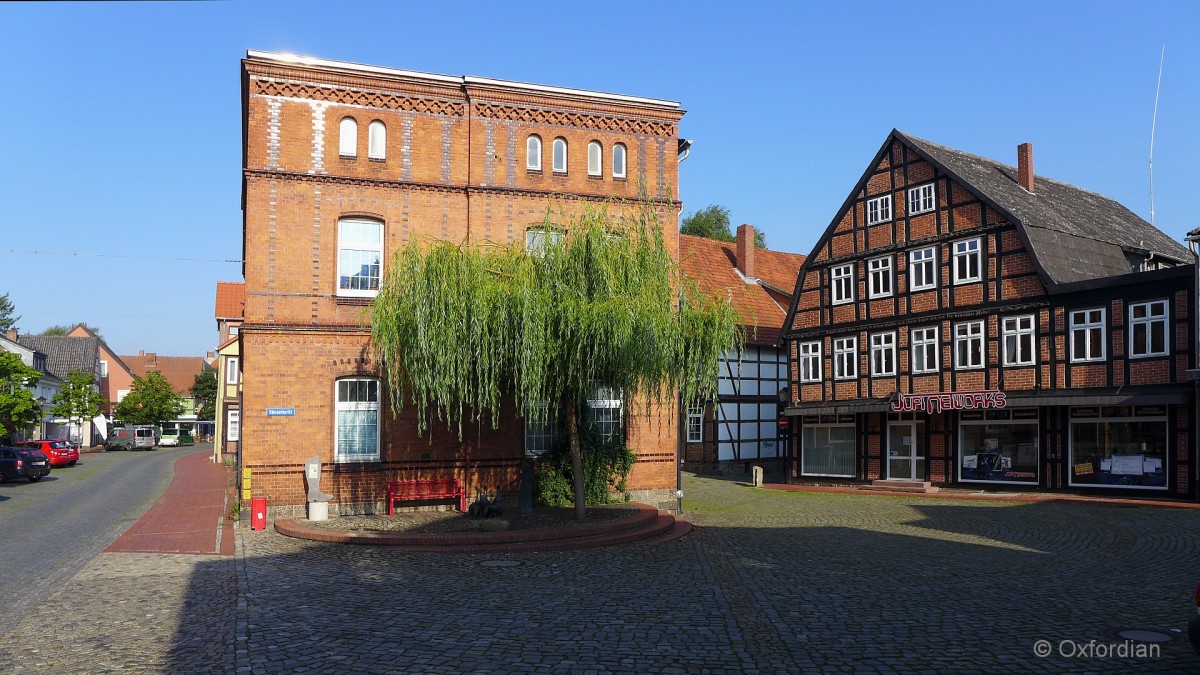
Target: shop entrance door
906,454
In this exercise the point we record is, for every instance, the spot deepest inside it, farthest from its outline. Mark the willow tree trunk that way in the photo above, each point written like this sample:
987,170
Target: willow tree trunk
576,457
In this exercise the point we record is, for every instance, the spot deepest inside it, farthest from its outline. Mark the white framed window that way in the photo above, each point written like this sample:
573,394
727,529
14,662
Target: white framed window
540,434
606,412
595,159
695,423
968,345
233,425
1018,340
845,358
921,199
618,162
560,155
533,153
360,257
922,269
966,261
103,368
538,238
231,370
925,349
1148,329
376,140
883,354
356,437
809,357
348,137
1087,335
842,283
879,277
879,209
233,330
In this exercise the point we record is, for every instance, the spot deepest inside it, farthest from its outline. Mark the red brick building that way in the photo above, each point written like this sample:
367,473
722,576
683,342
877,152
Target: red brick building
962,321
344,164
742,428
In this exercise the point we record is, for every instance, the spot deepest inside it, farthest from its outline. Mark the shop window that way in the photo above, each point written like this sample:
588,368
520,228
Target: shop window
809,361
827,450
595,159
879,209
925,350
922,269
1087,335
1148,329
999,446
883,354
618,161
968,345
559,151
695,423
357,423
842,283
1119,448
1018,341
360,257
377,140
348,138
921,199
533,153
966,261
879,275
845,358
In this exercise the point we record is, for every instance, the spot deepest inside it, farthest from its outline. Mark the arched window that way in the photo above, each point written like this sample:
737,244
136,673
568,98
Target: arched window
618,166
595,159
533,153
356,428
560,155
360,257
348,143
377,140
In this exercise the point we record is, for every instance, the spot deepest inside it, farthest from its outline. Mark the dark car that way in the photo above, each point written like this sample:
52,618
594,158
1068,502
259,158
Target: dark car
23,463
59,452
1193,627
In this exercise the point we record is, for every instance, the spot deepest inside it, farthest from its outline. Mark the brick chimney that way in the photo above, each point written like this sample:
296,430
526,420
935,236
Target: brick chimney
745,250
1025,166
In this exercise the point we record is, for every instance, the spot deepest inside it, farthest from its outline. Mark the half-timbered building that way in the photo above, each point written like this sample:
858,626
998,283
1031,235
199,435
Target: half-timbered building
962,321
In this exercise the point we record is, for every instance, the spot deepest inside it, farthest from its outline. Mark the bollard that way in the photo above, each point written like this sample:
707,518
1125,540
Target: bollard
258,513
757,473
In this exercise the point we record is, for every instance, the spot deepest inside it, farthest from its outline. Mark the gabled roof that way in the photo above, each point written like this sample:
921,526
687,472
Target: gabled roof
231,300
87,332
1073,234
712,265
65,354
180,371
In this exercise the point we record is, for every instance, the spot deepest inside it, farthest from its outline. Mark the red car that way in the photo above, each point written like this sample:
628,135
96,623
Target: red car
59,452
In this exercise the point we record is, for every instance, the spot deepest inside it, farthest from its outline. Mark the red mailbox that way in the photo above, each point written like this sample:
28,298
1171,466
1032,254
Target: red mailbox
258,513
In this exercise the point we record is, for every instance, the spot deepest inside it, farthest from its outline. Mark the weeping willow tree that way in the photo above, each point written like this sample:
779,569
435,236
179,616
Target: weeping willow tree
459,329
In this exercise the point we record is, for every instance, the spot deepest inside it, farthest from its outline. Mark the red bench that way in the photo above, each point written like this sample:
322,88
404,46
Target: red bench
425,488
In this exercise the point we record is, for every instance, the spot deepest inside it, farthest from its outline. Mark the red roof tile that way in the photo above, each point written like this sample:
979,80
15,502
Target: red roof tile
231,300
180,371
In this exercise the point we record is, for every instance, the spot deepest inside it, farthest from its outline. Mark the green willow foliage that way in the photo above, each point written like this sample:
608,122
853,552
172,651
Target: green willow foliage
459,329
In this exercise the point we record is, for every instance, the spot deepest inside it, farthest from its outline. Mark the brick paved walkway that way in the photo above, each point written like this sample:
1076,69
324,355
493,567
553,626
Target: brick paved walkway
189,517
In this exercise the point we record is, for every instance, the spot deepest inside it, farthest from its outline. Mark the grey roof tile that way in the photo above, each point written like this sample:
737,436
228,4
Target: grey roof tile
64,354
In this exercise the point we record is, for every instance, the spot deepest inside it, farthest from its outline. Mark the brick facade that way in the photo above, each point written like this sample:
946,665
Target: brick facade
454,166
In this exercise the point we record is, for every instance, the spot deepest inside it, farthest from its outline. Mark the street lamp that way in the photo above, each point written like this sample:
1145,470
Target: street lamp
41,401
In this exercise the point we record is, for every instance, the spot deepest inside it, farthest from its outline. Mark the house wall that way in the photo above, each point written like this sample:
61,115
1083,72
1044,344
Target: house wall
455,168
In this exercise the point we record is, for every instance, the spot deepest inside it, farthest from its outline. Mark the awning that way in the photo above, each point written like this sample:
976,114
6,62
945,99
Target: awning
839,408
1148,398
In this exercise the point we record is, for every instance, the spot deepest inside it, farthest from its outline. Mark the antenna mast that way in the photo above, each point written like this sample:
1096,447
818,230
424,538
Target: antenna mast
1153,123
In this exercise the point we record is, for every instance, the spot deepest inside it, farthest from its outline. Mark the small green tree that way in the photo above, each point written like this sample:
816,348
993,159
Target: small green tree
18,408
712,222
7,320
62,329
150,400
463,328
204,390
78,399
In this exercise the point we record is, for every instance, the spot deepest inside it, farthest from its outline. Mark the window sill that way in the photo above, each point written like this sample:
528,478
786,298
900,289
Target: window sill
533,172
378,160
347,156
595,177
964,282
620,179
353,301
560,173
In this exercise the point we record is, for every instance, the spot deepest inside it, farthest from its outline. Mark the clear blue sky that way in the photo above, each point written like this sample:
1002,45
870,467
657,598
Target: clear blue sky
121,121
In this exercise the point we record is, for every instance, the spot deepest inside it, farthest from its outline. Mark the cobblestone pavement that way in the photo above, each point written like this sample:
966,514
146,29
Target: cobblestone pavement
769,582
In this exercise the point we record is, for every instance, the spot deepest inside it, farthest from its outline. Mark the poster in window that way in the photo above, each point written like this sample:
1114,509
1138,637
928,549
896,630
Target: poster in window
998,451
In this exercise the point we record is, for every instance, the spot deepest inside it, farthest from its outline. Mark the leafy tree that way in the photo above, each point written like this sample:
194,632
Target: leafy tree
204,390
150,400
78,400
18,408
64,329
464,328
712,222
7,320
